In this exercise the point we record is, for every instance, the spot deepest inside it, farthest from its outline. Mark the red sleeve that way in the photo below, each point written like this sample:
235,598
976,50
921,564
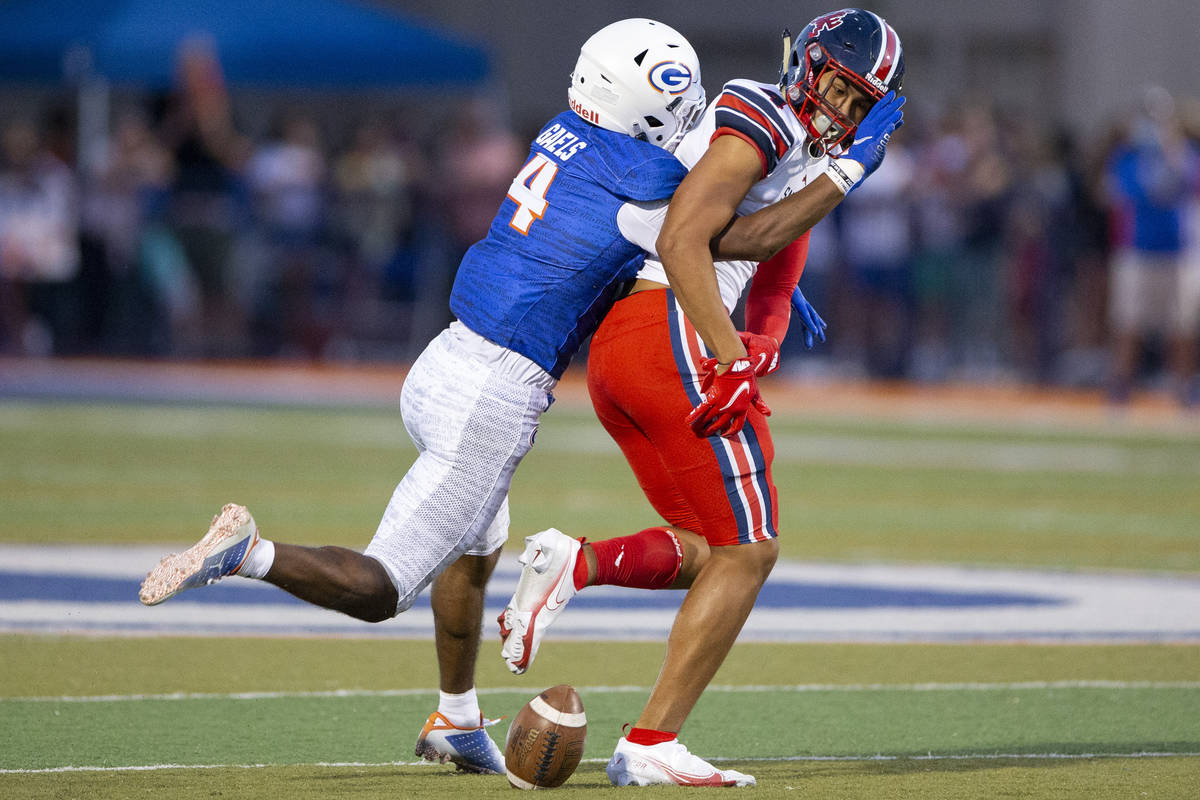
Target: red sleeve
769,302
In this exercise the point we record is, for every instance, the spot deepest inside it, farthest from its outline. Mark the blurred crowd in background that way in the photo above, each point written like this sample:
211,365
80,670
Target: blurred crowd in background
981,250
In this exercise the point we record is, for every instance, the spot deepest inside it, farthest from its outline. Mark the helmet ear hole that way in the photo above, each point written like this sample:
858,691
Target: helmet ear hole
653,122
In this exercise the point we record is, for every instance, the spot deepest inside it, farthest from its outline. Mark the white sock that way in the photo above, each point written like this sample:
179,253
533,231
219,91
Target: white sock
461,709
259,562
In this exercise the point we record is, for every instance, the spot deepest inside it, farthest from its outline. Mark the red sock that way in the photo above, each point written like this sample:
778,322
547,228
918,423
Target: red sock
580,574
648,736
649,559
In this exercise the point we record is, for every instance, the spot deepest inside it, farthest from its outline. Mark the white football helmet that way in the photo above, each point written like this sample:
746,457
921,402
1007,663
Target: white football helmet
639,77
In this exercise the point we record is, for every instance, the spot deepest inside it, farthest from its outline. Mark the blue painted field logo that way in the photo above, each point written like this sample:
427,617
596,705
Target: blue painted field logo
670,77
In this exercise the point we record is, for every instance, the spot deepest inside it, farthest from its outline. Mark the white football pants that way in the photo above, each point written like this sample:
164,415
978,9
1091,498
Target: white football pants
471,408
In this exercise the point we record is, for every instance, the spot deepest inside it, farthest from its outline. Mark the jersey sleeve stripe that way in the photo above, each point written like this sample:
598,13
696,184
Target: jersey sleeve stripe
754,115
767,107
758,148
752,133
738,115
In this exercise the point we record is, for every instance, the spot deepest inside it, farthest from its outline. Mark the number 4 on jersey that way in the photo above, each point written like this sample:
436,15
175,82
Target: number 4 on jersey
529,189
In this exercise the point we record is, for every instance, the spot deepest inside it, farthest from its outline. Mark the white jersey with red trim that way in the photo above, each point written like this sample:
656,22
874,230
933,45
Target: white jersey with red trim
757,113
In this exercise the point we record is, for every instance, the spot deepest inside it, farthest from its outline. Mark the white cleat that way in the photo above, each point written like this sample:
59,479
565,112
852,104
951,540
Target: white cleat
547,583
221,552
667,763
469,749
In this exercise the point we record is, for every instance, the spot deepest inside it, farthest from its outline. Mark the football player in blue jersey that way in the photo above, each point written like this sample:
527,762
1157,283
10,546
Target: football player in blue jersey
573,230
668,351
565,239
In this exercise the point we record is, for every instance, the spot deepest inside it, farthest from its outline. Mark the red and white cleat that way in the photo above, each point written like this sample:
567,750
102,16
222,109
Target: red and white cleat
547,583
667,763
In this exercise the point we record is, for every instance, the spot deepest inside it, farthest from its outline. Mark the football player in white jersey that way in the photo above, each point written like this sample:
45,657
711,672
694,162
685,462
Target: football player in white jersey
669,351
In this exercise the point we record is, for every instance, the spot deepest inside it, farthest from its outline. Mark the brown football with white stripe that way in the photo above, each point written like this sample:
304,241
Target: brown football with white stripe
545,740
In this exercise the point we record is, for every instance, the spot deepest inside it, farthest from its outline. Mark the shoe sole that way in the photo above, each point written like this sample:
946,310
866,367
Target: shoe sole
504,629
633,779
626,777
522,664
502,620
175,572
428,752
629,780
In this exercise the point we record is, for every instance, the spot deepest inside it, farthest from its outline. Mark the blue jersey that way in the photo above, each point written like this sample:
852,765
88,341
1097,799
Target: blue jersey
554,258
1153,194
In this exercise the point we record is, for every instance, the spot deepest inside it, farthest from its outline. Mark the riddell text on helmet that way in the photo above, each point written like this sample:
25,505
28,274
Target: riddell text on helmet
586,113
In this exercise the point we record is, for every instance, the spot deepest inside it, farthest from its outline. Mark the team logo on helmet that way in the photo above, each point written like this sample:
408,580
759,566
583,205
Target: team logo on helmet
827,22
670,77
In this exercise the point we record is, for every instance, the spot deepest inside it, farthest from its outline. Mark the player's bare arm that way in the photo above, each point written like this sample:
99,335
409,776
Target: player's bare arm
700,210
763,234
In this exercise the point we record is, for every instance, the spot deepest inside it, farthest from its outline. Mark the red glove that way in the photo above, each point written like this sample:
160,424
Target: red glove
763,350
728,398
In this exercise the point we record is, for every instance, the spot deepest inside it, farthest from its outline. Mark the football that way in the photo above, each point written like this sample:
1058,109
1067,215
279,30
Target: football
545,740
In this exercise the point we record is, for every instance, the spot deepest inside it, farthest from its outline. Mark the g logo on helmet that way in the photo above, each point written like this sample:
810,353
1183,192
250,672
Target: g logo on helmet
670,77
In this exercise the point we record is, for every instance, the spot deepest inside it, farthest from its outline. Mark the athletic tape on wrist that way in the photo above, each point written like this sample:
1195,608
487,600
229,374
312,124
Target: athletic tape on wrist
845,173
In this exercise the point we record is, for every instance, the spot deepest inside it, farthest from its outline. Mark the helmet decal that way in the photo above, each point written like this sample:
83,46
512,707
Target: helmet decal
889,57
587,113
827,22
670,77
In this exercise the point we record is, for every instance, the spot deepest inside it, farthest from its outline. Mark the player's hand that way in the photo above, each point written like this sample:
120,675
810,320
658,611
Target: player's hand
728,398
875,131
814,326
763,352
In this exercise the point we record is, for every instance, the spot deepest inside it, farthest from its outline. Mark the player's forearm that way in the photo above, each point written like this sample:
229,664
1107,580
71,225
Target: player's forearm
701,208
759,236
690,272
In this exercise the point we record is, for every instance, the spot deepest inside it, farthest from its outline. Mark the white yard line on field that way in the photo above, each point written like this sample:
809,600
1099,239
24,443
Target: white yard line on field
751,759
725,688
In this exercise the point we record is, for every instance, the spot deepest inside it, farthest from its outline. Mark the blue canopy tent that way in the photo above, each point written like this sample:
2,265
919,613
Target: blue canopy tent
260,43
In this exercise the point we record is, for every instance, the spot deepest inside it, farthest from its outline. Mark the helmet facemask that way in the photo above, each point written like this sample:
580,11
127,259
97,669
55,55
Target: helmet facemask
827,127
685,113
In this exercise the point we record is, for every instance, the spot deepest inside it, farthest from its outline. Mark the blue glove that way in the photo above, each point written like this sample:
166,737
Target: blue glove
873,133
813,324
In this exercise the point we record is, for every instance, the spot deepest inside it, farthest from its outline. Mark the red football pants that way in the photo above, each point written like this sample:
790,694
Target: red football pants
643,379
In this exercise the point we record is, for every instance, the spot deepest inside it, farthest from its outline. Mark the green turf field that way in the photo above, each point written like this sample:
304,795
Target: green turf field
336,718
339,717
849,490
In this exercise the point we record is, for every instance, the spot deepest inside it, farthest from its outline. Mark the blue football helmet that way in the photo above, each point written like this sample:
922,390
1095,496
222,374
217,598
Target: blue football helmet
857,45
